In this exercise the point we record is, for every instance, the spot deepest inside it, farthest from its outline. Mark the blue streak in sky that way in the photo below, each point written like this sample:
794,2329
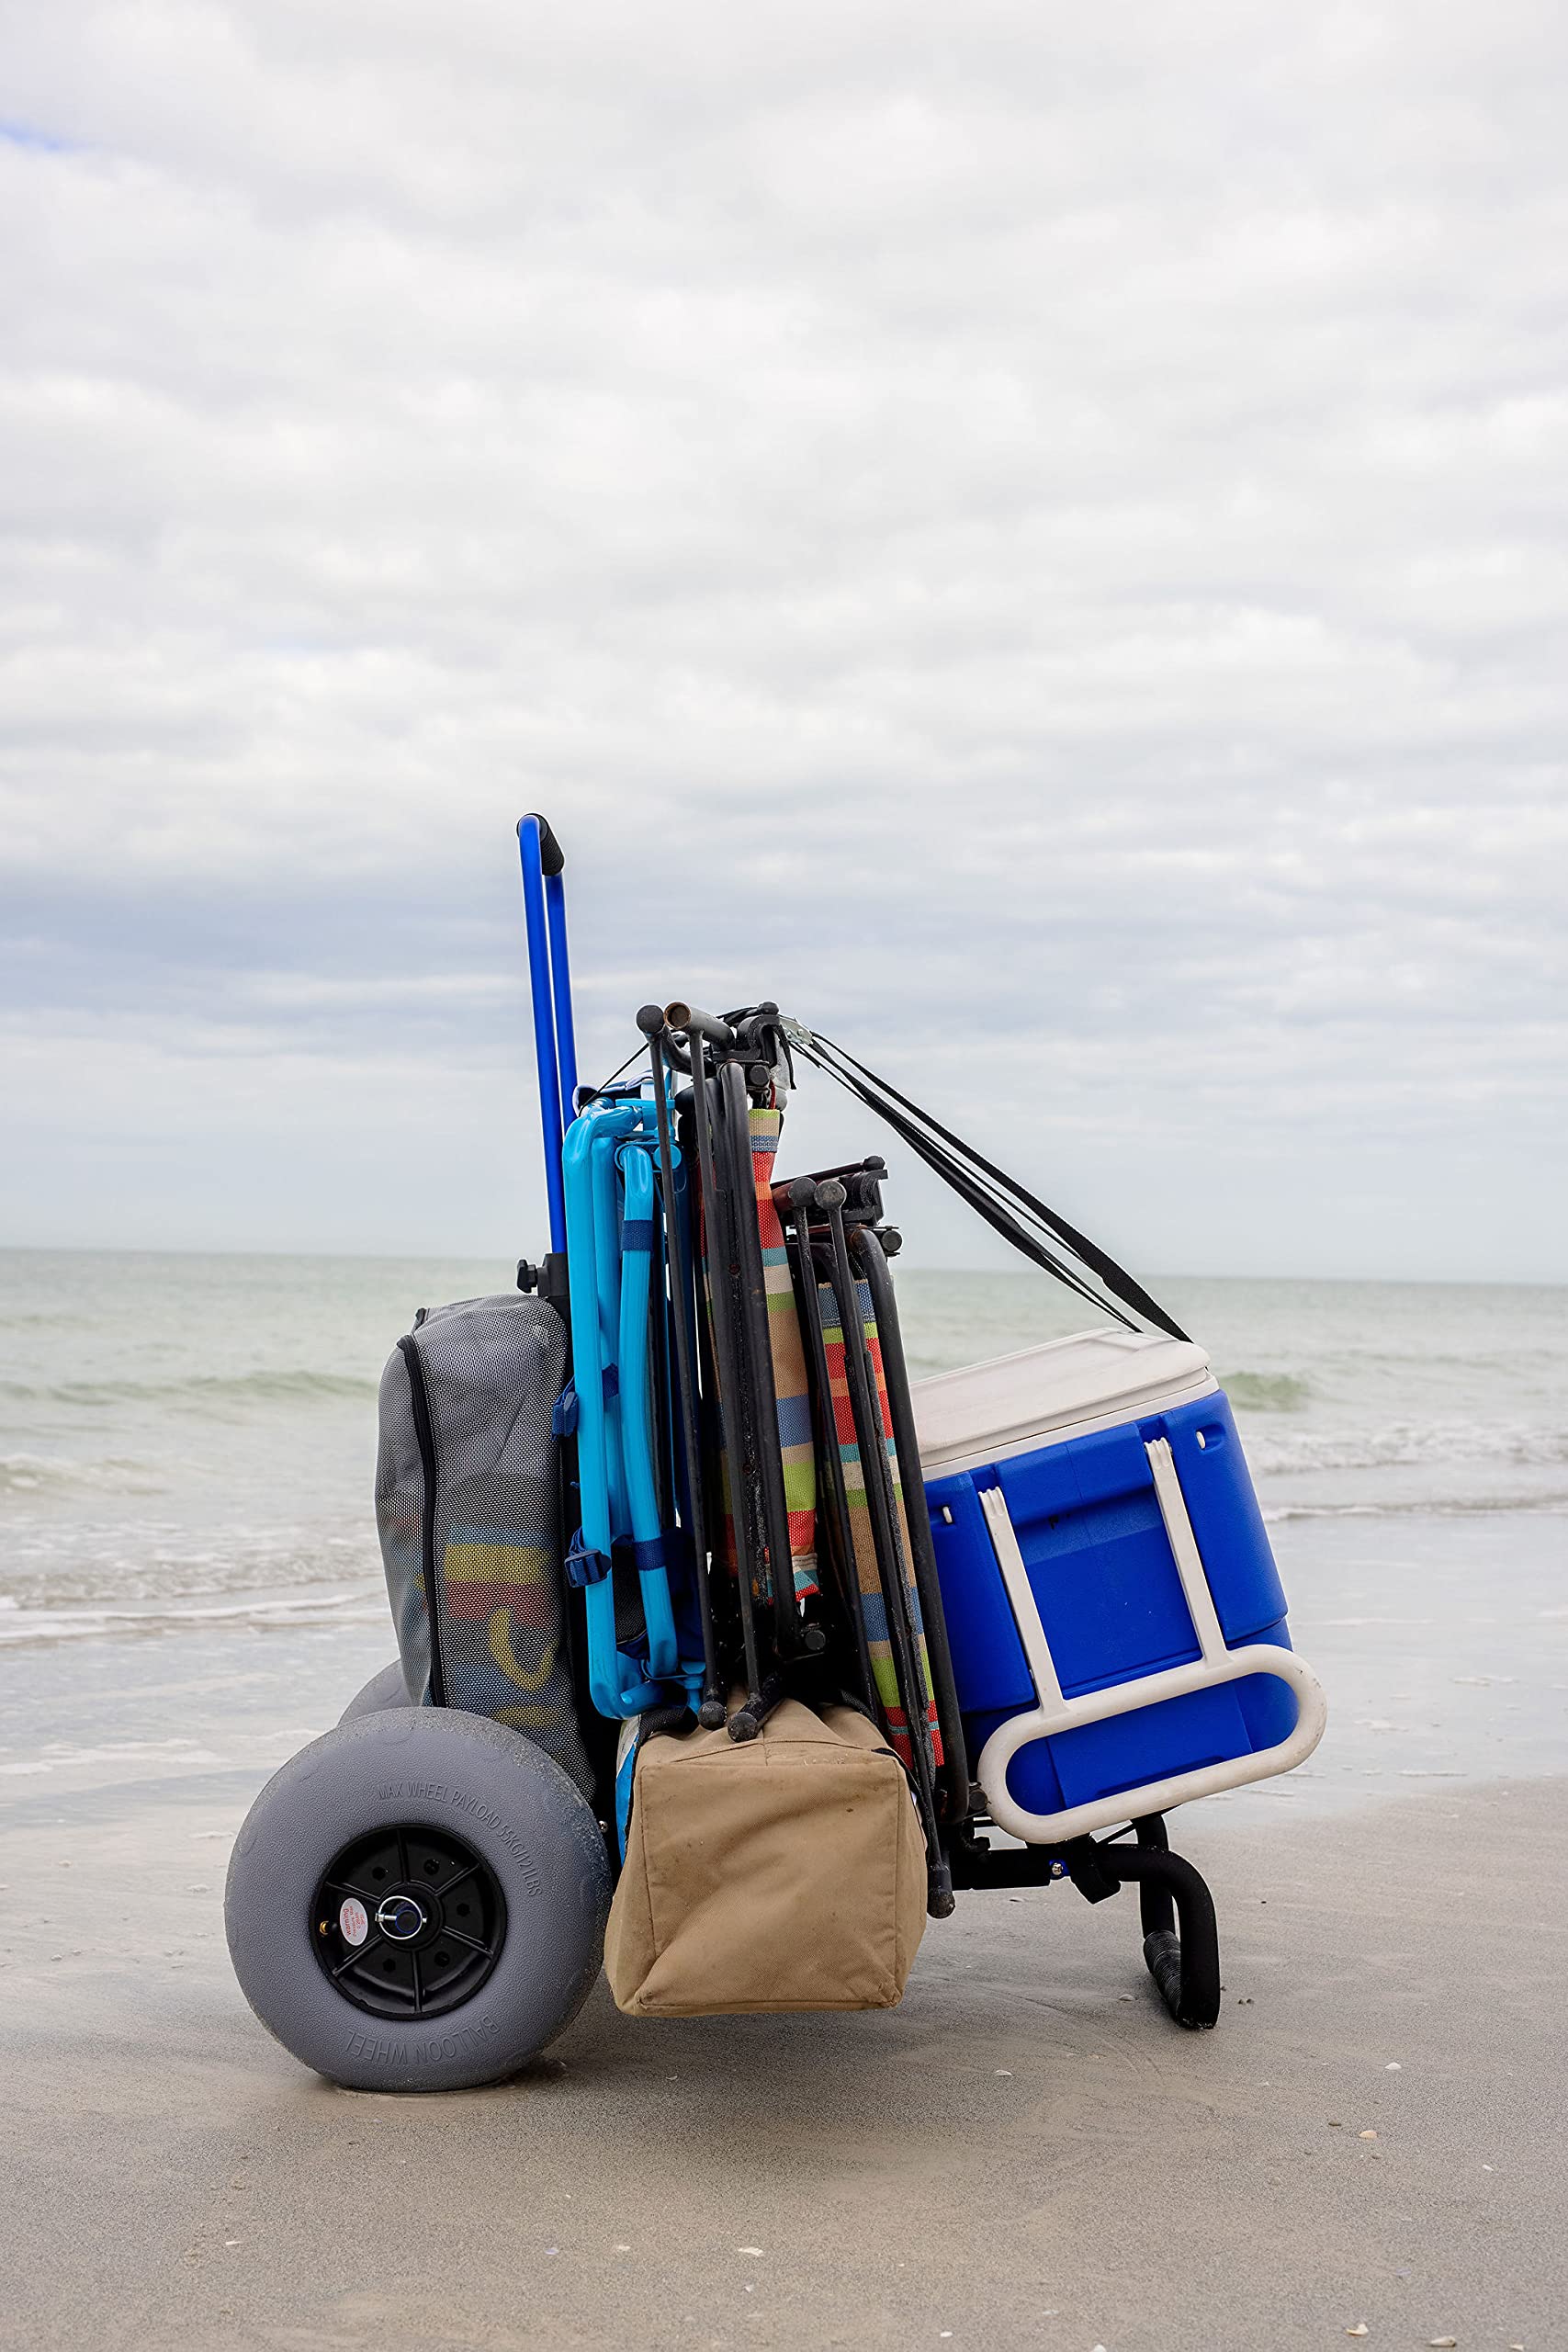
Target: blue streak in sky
27,134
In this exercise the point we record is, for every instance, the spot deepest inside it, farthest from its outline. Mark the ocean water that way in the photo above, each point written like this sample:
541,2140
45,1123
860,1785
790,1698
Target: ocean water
190,1441
190,1585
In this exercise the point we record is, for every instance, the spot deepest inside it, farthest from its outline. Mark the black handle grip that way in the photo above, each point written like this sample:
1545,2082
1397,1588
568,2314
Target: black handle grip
552,857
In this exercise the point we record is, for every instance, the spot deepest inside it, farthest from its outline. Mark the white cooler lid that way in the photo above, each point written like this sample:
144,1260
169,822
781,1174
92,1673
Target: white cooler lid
1093,1379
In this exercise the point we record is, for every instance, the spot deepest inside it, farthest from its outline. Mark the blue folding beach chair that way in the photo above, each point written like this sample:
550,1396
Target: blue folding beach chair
616,1240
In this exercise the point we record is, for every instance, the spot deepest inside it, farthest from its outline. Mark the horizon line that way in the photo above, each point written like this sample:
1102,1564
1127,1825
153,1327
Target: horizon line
461,1257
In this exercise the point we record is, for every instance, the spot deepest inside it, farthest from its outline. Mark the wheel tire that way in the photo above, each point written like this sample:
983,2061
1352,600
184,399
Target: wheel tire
384,1689
457,1781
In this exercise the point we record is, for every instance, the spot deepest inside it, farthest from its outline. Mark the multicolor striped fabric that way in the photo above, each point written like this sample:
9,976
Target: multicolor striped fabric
790,1384
491,1579
873,1606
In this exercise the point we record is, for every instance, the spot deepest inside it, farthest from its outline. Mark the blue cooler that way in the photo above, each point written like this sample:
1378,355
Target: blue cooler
1116,1619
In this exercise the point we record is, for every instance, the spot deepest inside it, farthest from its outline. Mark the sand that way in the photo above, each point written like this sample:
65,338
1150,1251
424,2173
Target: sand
1026,2154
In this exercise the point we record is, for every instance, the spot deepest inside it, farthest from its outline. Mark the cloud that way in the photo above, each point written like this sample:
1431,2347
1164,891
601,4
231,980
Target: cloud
1038,541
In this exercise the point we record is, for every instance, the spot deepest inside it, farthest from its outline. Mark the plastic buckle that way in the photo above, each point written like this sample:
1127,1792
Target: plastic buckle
584,1566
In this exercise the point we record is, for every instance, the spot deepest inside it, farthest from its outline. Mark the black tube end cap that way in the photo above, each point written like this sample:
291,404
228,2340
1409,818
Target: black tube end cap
552,857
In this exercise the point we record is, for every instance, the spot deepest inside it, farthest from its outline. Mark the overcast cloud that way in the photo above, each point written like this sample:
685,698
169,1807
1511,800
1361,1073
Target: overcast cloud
1035,536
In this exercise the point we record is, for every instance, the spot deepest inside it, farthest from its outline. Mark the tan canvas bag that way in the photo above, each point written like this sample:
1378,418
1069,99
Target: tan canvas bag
788,1872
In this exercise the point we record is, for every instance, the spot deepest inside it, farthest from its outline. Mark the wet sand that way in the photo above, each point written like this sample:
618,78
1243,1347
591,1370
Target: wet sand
1026,2154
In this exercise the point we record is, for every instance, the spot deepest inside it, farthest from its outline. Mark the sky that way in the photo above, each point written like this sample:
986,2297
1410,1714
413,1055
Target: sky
1034,537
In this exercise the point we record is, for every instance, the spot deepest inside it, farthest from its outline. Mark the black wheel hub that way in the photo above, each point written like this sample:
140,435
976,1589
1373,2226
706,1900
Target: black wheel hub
408,1922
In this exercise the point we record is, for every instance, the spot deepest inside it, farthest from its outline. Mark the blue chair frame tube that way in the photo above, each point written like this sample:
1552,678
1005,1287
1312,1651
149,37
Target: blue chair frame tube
636,1409
615,1683
604,1133
549,995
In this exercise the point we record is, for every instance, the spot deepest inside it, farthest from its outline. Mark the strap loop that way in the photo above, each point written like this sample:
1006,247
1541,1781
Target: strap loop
1006,1205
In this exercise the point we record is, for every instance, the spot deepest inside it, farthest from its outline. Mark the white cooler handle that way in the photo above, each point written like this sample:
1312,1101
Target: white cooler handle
1052,1712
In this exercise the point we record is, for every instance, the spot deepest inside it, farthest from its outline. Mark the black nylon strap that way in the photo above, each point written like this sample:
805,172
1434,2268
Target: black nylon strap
992,1194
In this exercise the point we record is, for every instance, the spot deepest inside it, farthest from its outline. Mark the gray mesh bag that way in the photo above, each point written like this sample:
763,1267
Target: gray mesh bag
468,1507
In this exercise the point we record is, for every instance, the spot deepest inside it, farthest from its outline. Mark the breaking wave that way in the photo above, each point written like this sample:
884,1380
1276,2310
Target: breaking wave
1267,1392
1544,1505
1403,1445
220,1388
40,1475
23,1628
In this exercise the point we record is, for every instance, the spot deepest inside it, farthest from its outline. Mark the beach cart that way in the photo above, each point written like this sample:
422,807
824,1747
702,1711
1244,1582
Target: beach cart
675,1502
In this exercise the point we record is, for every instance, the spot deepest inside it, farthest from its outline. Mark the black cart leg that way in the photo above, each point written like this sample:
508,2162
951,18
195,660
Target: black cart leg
1181,1942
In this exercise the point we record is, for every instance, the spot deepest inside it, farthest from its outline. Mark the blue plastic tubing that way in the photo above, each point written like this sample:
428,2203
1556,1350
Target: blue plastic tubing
607,1126
615,1683
586,1341
636,1407
547,1003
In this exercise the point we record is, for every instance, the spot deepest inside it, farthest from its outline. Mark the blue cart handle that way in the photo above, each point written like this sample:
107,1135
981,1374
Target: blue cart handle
549,982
